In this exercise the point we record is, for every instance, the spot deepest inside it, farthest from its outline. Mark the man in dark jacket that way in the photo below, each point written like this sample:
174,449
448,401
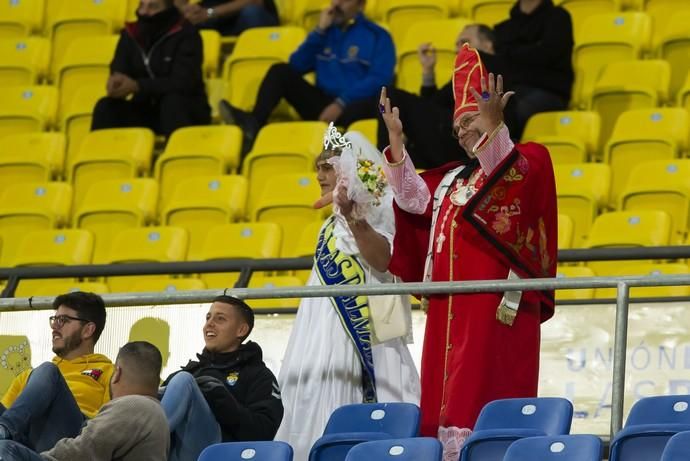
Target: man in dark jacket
156,75
230,17
228,394
428,117
351,57
536,45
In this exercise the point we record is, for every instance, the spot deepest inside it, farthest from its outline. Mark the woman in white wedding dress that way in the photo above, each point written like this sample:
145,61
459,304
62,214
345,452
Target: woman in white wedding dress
329,361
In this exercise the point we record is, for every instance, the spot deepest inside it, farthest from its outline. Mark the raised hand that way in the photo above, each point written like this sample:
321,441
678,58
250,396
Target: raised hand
427,57
491,102
391,117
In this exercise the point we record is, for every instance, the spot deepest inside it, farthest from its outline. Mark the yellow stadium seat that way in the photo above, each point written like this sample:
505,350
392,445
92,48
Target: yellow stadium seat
574,272
368,127
683,98
306,13
76,117
400,15
115,153
85,62
628,85
202,202
245,240
306,245
145,244
111,206
661,185
31,157
27,108
628,229
23,61
67,21
63,247
52,287
20,18
641,135
603,39
197,151
289,202
211,42
26,207
642,269
582,190
281,148
580,10
168,285
489,12
255,51
675,48
662,13
442,34
258,281
565,231
571,137
17,357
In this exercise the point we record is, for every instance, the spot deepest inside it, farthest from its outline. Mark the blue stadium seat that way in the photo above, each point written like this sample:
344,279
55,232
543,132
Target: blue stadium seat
677,447
254,451
409,449
651,423
357,423
556,448
501,422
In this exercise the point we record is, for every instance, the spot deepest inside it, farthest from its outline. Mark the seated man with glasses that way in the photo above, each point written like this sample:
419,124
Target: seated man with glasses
53,401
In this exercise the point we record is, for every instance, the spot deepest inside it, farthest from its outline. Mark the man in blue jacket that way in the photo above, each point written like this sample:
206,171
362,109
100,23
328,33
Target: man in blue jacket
352,58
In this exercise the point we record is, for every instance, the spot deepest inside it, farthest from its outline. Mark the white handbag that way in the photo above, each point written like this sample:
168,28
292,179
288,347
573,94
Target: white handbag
388,318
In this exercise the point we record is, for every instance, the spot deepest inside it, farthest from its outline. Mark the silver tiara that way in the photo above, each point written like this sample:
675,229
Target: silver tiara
334,140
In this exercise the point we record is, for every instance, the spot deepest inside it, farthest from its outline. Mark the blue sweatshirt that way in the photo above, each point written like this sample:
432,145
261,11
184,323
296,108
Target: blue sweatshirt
350,64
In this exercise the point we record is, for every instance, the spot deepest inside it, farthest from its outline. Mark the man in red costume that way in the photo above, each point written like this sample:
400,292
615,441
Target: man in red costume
492,218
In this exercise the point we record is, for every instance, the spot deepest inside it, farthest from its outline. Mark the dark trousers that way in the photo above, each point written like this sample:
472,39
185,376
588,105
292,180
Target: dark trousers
526,102
427,127
282,81
170,112
248,17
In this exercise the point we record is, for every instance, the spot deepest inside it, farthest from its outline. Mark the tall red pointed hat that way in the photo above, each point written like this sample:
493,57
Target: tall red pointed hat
468,73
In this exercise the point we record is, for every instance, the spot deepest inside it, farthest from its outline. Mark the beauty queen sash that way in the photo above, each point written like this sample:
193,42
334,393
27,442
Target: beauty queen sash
336,268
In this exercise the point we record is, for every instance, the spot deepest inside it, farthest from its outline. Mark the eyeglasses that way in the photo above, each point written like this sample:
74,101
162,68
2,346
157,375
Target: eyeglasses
60,320
464,124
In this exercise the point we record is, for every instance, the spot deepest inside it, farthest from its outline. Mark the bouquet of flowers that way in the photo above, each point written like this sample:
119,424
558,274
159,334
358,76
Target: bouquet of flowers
373,179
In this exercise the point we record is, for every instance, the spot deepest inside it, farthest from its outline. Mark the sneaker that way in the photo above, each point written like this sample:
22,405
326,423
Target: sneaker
5,433
245,120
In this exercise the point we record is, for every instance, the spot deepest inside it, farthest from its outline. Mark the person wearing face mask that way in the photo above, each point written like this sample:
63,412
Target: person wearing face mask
493,217
156,76
351,56
53,401
228,394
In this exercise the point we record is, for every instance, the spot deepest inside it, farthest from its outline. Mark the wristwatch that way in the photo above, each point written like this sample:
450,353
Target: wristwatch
210,13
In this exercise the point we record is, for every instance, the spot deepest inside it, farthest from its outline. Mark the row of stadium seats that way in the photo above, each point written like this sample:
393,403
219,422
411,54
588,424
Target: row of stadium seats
506,430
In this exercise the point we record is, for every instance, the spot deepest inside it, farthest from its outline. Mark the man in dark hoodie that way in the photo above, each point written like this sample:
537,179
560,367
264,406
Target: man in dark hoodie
156,75
228,394
536,46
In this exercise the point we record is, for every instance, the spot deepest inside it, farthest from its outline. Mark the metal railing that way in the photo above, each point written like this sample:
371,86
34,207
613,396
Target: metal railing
622,285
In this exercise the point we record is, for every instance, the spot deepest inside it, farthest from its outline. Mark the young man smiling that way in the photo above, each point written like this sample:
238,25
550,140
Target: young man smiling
52,401
228,394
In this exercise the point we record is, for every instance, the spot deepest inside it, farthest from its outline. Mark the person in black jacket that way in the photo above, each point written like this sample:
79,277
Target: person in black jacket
230,17
228,394
428,117
156,74
536,45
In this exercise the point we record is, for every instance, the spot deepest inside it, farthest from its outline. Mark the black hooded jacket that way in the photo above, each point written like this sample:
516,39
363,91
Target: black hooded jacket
537,48
248,406
163,57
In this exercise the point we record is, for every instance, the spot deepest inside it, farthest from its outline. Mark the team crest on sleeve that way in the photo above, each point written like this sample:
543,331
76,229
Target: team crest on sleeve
95,373
232,378
353,51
